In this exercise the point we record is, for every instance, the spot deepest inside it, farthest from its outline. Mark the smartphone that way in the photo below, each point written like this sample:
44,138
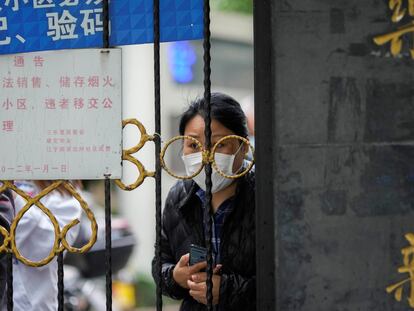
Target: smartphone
197,254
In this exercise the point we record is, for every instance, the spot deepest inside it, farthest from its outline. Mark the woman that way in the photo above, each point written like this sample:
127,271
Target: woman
36,288
233,204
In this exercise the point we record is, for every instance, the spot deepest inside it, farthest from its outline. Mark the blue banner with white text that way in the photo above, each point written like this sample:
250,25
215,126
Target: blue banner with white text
37,25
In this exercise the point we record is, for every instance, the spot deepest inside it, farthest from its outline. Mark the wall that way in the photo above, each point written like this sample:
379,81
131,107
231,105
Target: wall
344,146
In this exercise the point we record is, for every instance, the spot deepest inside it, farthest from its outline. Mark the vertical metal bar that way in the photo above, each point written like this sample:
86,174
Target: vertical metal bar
9,274
105,17
108,229
108,243
60,284
265,156
208,169
157,109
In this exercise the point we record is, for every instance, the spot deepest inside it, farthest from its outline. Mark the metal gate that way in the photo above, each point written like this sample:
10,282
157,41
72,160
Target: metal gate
60,243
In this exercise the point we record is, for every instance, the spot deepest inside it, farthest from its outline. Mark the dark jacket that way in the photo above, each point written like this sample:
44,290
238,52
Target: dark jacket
6,217
183,225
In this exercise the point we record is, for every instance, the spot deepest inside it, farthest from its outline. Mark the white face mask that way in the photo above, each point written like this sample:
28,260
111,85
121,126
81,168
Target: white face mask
225,162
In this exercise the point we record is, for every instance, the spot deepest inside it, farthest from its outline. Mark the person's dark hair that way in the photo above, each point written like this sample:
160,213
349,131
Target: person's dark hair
224,109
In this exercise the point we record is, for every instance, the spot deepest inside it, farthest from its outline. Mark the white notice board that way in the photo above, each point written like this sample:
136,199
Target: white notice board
60,115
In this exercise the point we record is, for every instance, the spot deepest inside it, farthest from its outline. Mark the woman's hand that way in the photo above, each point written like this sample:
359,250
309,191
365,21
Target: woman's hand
198,287
182,271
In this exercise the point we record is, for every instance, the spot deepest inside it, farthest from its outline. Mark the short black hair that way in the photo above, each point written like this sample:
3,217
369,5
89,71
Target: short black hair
224,109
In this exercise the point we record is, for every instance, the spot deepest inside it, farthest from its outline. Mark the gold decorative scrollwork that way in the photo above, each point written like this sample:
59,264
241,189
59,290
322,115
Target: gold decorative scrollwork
208,157
94,227
213,152
5,234
164,150
127,156
60,243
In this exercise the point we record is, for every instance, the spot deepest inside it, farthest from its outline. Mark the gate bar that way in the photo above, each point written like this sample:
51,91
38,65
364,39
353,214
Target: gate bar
105,16
60,283
108,243
108,229
208,212
264,98
9,281
157,110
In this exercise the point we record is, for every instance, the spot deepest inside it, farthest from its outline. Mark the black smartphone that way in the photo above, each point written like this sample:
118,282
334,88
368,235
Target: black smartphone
197,254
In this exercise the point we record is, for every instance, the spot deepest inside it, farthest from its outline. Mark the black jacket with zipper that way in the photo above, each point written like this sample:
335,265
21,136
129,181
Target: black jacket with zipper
182,225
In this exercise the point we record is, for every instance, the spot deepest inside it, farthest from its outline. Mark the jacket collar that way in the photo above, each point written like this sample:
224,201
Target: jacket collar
190,188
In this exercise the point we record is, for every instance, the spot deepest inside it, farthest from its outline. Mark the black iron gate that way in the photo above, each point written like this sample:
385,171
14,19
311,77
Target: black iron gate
265,257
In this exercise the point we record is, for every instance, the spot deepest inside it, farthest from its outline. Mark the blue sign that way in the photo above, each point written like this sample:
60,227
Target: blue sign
37,25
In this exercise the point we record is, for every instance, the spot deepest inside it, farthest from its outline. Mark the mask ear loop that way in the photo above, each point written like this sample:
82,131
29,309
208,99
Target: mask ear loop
238,150
181,151
215,164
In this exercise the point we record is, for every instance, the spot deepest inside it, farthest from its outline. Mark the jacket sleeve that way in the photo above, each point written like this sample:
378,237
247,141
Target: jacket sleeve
6,211
237,292
168,285
6,217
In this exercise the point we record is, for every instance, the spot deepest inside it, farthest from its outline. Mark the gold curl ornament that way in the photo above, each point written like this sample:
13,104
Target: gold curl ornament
127,156
164,150
207,156
60,243
94,226
213,152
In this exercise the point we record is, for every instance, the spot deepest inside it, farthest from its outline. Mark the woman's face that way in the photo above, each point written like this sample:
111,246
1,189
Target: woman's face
195,128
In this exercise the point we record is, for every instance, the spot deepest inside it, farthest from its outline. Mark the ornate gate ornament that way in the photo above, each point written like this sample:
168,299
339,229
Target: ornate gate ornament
60,244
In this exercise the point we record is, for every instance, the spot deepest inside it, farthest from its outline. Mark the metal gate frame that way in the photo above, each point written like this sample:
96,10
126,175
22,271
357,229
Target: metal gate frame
264,85
264,98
